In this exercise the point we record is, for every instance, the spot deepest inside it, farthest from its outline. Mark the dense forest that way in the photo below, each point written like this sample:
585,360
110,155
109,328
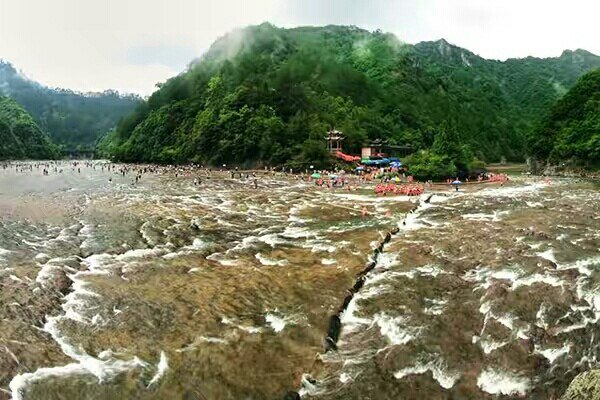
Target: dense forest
20,136
267,95
73,120
570,134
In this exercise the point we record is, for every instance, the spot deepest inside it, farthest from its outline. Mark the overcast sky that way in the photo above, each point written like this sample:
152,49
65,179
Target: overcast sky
130,45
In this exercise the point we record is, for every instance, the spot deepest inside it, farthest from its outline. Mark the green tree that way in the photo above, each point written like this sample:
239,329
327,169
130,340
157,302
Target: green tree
261,94
425,165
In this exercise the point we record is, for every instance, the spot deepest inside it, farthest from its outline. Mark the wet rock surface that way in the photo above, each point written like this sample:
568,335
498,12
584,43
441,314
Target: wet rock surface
166,290
473,305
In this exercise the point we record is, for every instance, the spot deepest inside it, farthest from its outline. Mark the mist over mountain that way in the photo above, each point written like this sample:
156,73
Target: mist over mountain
73,120
265,94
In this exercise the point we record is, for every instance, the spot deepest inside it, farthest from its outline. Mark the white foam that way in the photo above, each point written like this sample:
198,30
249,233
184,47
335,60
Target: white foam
436,308
507,320
533,204
395,329
488,345
349,319
553,353
411,222
272,239
98,262
322,247
250,329
246,243
212,339
140,253
387,260
41,257
374,290
355,198
86,232
3,254
502,382
430,270
485,307
218,257
197,244
18,384
478,217
46,274
582,265
511,191
86,364
277,323
494,217
529,280
298,232
571,328
484,276
548,255
267,261
75,307
198,340
307,387
97,319
161,369
439,370
516,276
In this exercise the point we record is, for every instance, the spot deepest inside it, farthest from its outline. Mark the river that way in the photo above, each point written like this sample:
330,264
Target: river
169,290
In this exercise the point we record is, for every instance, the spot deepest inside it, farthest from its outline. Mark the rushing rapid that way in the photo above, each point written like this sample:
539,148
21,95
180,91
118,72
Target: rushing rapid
165,288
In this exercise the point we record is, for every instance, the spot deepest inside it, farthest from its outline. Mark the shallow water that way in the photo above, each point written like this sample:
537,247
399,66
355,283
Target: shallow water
165,289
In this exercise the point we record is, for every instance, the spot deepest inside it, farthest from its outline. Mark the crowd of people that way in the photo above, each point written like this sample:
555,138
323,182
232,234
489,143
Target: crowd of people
383,181
491,177
407,190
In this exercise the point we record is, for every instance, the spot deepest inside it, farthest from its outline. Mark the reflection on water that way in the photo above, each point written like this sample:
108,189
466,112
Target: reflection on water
166,289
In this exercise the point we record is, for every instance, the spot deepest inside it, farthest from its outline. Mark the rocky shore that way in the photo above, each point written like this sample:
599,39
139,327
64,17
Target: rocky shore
569,172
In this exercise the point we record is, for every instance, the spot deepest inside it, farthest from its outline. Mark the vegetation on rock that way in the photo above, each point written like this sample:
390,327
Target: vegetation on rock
267,95
571,132
73,120
20,136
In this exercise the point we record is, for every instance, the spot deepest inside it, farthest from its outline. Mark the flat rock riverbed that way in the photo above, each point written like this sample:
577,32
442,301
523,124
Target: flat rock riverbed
169,290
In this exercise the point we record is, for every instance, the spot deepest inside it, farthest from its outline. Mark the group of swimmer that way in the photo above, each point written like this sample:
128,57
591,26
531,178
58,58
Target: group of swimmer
407,190
397,183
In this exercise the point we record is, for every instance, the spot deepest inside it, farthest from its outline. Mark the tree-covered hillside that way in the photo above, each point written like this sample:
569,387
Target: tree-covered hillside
268,95
571,132
73,120
20,136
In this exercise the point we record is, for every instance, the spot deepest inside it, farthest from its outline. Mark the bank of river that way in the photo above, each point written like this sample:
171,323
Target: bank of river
166,289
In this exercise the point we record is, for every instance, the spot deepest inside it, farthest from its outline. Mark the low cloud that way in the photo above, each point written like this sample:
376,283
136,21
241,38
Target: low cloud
131,45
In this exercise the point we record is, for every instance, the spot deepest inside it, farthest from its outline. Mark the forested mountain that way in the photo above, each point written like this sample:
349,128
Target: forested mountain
73,120
20,136
570,134
268,95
